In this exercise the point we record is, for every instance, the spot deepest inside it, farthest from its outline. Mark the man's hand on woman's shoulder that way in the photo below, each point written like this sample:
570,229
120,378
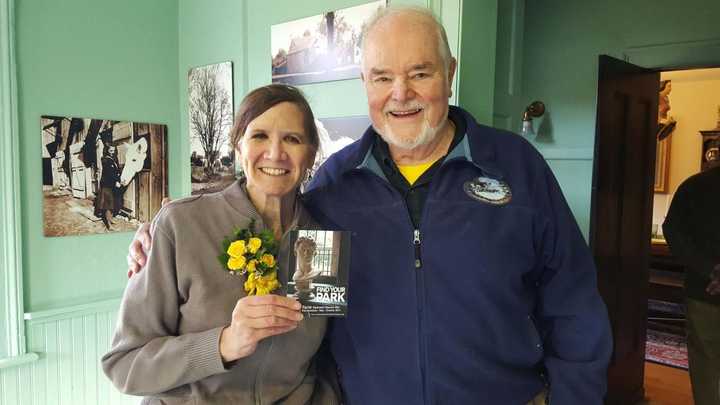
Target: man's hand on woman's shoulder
140,247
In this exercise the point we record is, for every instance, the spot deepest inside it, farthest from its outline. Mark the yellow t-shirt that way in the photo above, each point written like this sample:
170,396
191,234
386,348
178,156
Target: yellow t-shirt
413,172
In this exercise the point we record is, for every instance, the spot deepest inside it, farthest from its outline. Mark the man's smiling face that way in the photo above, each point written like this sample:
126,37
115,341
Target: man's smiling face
406,79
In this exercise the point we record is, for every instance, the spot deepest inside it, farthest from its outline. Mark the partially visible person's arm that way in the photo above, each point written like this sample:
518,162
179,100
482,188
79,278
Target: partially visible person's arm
571,314
713,287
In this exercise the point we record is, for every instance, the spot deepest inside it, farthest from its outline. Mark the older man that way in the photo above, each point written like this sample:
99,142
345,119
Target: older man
470,281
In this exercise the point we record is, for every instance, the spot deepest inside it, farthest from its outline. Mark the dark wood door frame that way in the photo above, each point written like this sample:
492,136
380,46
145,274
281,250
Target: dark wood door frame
621,210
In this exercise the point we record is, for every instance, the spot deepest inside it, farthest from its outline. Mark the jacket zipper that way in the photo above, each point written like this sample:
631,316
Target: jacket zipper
416,242
420,289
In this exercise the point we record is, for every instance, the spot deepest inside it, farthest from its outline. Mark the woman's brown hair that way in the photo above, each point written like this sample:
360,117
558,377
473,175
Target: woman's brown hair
264,98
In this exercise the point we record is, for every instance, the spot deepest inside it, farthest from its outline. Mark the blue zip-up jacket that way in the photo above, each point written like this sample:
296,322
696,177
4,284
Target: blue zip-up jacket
485,303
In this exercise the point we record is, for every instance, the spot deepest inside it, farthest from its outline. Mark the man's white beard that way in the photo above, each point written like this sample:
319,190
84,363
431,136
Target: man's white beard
426,135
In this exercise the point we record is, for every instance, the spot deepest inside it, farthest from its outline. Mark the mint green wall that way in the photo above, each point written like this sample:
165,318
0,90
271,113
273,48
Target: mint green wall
227,30
477,58
99,59
563,40
329,99
559,49
209,31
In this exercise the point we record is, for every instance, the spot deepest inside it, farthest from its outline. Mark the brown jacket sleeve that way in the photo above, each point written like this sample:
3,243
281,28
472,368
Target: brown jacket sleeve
147,356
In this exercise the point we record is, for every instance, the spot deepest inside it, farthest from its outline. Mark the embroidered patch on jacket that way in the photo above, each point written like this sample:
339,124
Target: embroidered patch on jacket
491,191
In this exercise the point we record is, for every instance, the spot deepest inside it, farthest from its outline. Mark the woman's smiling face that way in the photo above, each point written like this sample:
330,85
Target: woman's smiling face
275,151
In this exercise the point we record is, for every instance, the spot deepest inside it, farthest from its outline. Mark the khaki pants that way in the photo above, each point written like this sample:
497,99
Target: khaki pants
539,399
703,329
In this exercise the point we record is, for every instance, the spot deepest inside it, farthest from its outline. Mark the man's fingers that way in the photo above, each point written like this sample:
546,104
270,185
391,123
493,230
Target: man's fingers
165,201
136,256
133,266
143,235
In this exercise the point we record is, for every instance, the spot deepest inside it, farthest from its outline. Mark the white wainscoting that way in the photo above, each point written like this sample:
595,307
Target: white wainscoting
69,342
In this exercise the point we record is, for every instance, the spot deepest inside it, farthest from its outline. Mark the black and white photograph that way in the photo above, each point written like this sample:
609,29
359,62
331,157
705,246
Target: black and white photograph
320,48
336,133
210,111
101,175
318,273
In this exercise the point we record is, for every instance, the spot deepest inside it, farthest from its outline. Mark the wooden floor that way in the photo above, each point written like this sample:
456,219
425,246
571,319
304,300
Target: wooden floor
666,386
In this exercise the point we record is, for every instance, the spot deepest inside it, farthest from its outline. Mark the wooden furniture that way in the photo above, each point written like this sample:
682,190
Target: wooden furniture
666,280
710,148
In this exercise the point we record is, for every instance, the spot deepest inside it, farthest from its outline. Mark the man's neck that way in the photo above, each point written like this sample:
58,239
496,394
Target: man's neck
430,152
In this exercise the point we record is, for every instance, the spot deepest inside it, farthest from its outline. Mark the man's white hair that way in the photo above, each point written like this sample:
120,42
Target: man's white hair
381,13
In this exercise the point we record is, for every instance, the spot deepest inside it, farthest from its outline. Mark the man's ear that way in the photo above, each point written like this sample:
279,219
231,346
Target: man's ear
452,68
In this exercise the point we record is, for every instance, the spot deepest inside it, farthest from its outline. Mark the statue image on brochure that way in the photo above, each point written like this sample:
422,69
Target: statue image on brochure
318,271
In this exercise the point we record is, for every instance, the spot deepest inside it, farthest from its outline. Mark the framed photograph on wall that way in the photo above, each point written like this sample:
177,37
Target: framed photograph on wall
320,48
210,116
101,175
337,132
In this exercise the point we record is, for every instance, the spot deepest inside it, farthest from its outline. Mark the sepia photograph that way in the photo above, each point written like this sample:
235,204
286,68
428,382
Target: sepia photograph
320,48
210,111
100,175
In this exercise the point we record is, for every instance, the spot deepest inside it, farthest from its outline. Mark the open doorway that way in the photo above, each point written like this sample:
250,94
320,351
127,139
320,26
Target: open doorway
622,219
689,123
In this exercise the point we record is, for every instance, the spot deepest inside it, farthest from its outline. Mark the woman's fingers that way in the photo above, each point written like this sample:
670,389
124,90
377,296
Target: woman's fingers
272,299
269,322
254,319
269,311
261,334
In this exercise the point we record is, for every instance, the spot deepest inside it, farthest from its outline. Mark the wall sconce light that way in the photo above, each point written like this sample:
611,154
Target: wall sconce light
535,109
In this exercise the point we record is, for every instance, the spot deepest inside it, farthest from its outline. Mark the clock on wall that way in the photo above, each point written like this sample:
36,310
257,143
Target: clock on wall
711,146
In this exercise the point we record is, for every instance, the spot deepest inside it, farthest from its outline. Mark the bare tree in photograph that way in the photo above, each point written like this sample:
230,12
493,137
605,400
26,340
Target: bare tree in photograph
210,114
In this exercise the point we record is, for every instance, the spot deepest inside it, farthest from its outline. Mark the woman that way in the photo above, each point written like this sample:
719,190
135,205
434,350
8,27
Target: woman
187,333
107,203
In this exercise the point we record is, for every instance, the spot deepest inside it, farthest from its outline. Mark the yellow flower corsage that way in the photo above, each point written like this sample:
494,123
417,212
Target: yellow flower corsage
252,254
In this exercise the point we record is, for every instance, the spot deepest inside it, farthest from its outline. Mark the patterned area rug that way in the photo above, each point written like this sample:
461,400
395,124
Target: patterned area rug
667,349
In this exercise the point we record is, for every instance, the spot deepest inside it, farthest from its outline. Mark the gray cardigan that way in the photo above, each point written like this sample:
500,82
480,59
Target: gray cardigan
166,343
